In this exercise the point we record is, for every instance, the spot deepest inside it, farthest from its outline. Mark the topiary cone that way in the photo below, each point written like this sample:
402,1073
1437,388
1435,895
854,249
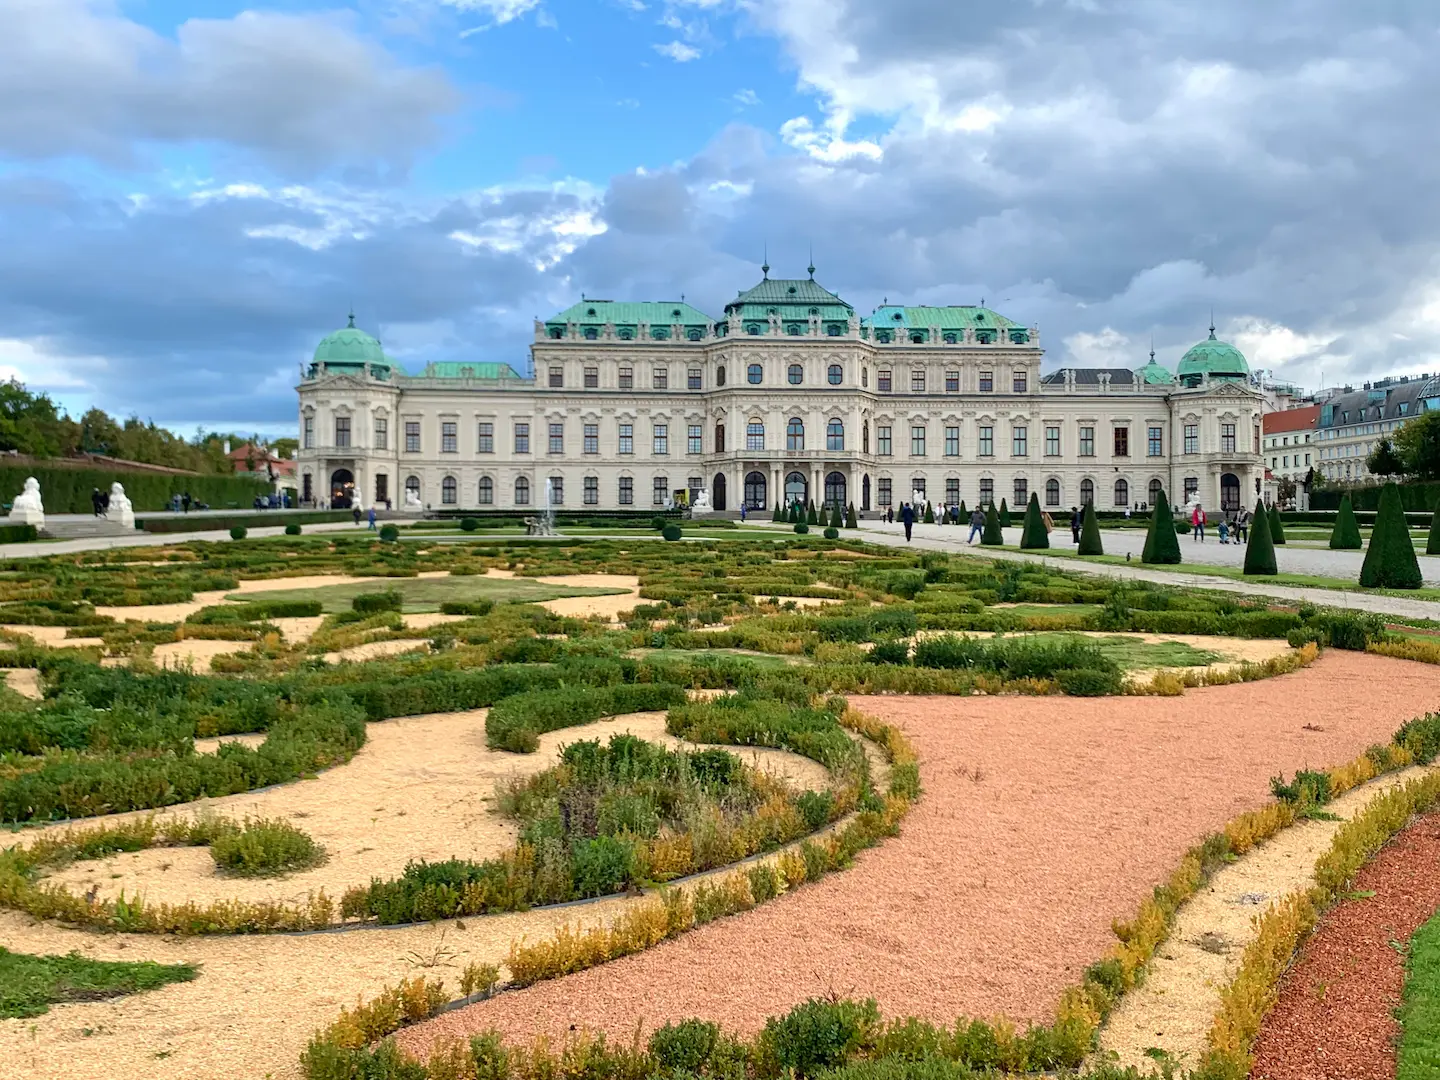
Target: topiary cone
1432,542
779,512
1346,534
964,514
850,520
929,513
1390,561
1034,535
1162,545
1277,530
991,534
1260,551
1004,515
1090,543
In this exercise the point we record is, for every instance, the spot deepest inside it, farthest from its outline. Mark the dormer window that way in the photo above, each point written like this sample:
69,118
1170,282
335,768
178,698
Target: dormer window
917,337
590,312
794,329
591,333
557,332
899,317
985,337
660,333
625,333
814,311
772,311
834,329
951,338
791,290
675,313
979,316
884,336
752,328
693,333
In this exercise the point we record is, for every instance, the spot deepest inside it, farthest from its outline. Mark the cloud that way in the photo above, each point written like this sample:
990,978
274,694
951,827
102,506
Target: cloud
746,97
500,12
678,51
301,92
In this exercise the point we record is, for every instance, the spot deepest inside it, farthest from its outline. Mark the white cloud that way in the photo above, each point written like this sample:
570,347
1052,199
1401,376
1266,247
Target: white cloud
747,97
1108,348
42,365
678,51
827,144
500,12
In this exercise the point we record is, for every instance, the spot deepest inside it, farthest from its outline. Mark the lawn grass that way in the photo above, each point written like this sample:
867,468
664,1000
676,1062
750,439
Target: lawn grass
760,659
1049,611
1419,1055
29,985
1132,653
427,594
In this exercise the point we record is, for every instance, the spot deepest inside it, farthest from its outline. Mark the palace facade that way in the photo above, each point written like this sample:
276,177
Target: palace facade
790,394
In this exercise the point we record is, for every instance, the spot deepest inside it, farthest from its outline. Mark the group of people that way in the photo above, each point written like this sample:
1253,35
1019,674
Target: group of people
100,502
184,503
1232,528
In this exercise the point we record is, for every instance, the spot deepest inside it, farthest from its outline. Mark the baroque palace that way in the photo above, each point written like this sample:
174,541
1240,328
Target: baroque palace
789,395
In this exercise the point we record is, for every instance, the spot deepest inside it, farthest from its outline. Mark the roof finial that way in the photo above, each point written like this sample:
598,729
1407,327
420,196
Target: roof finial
811,267
765,266
1152,348
1212,322
352,314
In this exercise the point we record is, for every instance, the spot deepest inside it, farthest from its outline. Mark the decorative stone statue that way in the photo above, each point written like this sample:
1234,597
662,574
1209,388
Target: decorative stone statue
27,508
119,508
701,505
412,499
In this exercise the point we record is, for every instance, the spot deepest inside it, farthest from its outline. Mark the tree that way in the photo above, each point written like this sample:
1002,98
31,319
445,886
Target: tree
1004,515
991,534
811,518
1390,561
1418,444
929,513
1260,551
1162,545
964,514
1385,460
779,512
1090,543
1432,542
795,512
1277,530
1033,535
850,520
1346,534
285,448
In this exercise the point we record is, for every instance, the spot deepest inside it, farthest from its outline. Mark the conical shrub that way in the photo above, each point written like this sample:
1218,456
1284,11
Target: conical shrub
1390,561
1260,551
1004,515
964,514
824,521
1090,543
794,516
1277,530
1346,534
991,534
811,518
929,513
1432,542
1162,544
850,520
1034,535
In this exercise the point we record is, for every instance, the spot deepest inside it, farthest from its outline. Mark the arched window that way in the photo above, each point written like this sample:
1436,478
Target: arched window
755,490
835,435
1122,493
412,487
796,375
448,490
720,375
752,374
1156,487
1052,492
522,491
755,435
1087,491
865,440
835,490
719,438
487,491
797,489
795,434
835,374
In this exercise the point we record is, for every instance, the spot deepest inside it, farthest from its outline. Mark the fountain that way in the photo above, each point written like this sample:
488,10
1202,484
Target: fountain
544,525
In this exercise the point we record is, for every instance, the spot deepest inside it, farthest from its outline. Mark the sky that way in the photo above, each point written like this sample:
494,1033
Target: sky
193,194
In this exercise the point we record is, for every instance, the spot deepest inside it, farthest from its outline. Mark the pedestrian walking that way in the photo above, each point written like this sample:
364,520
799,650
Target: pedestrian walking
907,517
977,524
1197,524
95,501
372,519
355,513
1075,524
185,502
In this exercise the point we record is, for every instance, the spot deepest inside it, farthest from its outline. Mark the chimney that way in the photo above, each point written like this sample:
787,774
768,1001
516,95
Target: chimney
227,446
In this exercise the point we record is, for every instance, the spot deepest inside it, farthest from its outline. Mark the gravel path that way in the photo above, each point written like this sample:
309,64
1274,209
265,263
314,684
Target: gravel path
1335,1017
1042,820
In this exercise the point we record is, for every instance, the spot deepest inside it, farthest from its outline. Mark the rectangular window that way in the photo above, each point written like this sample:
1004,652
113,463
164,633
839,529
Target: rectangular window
882,381
1022,493
382,487
952,442
309,432
449,437
382,433
627,438
658,491
917,485
1019,441
592,378
557,377
952,382
412,436
660,438
987,492
882,441
485,439
557,490
1192,488
1227,438
917,380
627,491
694,439
592,491
882,493
1156,439
592,438
987,442
952,491
917,441
754,436
487,491
1052,441
1018,381
1307,459
342,431
1122,442
987,382
1192,438
692,378
659,378
1286,461
557,438
522,438
627,378
1087,442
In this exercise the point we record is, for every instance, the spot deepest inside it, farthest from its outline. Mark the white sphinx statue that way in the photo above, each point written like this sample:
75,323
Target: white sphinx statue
119,508
27,509
412,499
701,504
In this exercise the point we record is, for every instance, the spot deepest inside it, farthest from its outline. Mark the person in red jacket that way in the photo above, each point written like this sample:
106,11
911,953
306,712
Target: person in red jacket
1197,523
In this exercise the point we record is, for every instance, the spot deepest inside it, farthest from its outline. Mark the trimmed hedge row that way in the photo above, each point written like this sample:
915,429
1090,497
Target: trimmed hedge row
517,722
67,491
226,522
17,534
1417,496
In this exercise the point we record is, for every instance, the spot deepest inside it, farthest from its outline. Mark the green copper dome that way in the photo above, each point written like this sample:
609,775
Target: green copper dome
1218,359
349,345
1153,374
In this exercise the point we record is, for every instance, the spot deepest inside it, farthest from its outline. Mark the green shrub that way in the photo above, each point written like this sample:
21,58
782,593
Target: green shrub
1182,527
264,848
779,515
890,652
1309,787
811,518
238,532
802,528
820,1034
373,603
686,1047
851,522
292,529
1277,529
471,608
1259,551
515,723
1432,542
469,524
657,523
1005,521
832,533
389,533
1088,682
991,534
1090,542
1346,534
929,518
1390,561
1162,545
18,534
1033,535
671,532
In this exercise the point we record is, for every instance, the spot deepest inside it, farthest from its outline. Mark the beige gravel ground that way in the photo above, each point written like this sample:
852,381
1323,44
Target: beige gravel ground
196,652
1032,836
24,681
298,629
54,636
182,611
372,649
609,607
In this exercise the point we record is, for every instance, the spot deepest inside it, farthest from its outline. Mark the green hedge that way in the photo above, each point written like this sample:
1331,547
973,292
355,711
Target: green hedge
517,723
17,534
1415,497
67,491
225,522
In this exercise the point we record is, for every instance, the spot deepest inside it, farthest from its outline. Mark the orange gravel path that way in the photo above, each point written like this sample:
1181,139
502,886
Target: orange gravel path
1000,889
